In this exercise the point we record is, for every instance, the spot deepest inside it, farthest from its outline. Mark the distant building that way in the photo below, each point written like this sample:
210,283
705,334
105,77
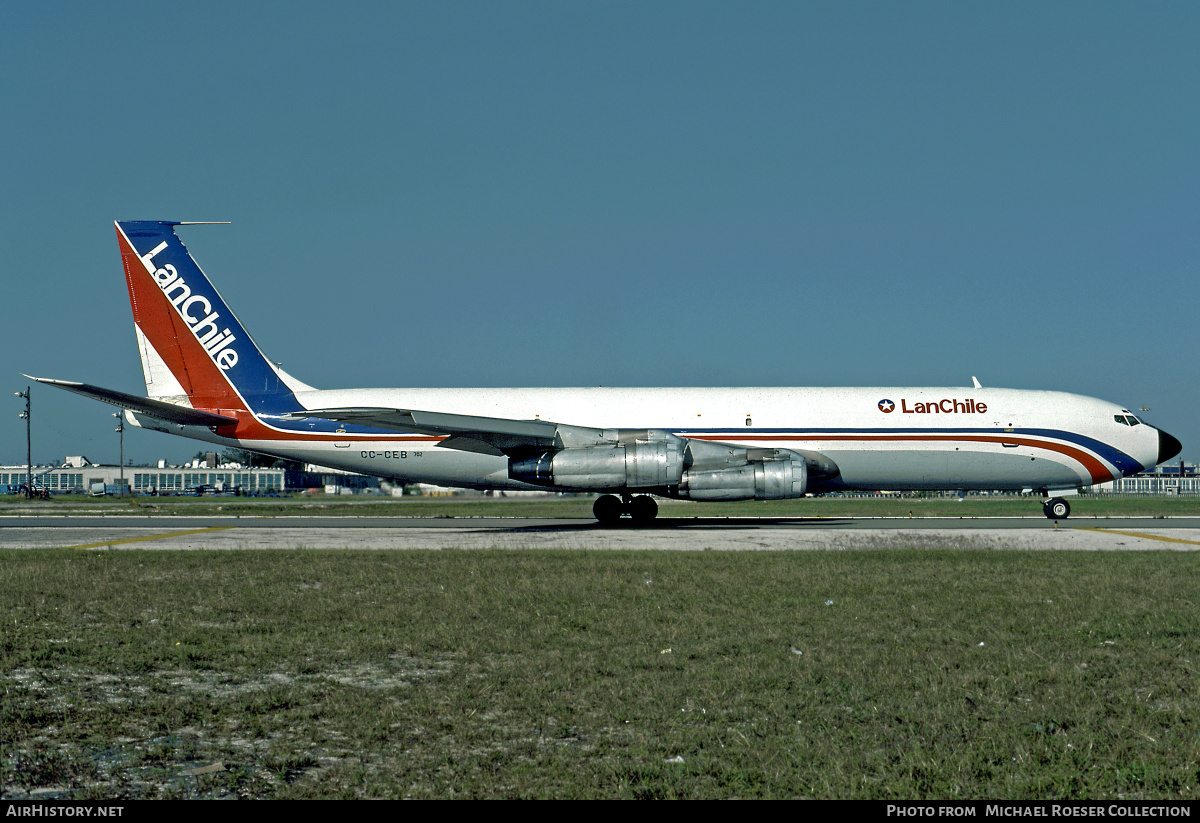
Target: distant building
333,481
1169,478
78,475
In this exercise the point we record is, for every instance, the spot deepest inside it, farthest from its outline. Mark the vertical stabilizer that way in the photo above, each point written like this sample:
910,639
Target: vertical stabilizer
189,340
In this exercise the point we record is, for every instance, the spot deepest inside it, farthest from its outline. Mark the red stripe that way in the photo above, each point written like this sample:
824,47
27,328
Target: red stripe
251,429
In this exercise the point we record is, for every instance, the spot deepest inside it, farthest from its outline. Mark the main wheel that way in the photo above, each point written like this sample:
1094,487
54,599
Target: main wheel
607,509
643,509
1057,509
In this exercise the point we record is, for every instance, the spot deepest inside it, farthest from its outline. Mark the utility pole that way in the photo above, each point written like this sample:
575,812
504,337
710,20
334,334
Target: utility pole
28,443
121,429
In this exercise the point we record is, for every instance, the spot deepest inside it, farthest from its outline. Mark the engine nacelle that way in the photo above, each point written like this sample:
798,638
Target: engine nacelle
782,476
639,464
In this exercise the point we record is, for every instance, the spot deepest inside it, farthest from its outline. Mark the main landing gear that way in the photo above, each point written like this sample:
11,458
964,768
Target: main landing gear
1056,508
641,509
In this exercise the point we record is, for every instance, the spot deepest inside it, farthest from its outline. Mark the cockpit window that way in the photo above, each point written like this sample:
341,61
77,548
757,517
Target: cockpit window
1133,421
1120,418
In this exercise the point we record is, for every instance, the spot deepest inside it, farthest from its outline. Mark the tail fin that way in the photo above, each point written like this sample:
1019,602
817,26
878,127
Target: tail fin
190,342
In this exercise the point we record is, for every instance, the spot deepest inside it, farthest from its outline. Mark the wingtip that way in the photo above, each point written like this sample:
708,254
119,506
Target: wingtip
49,381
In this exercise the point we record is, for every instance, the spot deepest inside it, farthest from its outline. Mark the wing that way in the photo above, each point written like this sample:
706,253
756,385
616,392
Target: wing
505,437
485,435
181,415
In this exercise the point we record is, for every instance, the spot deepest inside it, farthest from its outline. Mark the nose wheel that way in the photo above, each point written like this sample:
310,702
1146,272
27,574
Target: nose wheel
1056,508
609,508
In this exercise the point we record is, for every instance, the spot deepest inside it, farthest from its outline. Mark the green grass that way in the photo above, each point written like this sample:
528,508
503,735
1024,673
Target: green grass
585,674
997,506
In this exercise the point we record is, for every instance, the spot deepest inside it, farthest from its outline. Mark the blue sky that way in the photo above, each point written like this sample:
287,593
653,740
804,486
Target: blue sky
613,193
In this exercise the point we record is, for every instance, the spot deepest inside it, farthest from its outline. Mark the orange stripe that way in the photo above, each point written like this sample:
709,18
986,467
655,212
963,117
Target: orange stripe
258,431
253,430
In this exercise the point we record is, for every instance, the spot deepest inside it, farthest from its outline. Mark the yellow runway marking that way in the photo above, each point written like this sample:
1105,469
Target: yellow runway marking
1139,534
147,537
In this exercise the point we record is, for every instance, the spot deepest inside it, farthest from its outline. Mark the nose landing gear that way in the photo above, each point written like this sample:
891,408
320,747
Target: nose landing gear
1056,508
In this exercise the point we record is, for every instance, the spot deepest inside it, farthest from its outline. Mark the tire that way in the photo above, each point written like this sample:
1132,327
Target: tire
607,509
1057,509
643,509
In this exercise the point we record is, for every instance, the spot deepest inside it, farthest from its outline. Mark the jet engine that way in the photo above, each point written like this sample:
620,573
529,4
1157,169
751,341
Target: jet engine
783,475
664,463
638,464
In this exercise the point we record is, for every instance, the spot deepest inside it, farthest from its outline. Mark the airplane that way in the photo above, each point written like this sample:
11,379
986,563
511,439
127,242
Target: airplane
206,379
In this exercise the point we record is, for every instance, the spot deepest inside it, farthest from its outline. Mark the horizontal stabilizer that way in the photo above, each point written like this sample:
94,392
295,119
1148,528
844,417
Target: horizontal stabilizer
180,415
465,432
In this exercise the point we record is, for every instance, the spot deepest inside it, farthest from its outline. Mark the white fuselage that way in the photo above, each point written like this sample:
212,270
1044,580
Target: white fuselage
931,438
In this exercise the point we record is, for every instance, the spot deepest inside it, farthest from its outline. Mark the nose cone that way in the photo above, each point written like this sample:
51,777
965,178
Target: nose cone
1168,446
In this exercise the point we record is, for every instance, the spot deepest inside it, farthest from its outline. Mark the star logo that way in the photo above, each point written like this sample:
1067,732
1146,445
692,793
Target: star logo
886,406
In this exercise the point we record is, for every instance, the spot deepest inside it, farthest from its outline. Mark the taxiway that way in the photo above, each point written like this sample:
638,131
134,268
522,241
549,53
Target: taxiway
677,534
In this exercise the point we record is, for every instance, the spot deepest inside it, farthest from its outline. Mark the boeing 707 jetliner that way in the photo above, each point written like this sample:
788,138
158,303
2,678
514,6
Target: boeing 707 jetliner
206,379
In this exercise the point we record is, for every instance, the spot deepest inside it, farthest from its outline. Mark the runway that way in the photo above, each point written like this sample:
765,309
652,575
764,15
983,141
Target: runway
666,534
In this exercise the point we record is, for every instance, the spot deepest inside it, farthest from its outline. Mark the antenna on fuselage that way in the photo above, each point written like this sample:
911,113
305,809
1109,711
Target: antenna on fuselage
975,380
